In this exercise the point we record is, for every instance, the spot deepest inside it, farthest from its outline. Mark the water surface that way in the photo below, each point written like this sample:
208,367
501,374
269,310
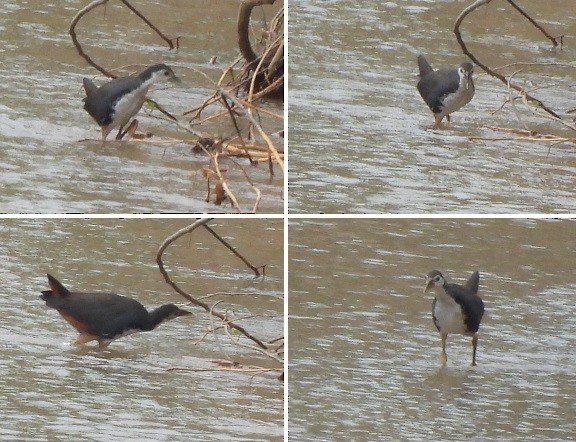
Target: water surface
359,138
51,390
364,353
46,169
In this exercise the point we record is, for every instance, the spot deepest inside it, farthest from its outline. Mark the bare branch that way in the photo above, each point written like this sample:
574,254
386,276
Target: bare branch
472,57
172,238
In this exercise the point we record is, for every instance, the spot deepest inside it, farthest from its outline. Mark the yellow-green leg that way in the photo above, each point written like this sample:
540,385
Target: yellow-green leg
474,345
443,357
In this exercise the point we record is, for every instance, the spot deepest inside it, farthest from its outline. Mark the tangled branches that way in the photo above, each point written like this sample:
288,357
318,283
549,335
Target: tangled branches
241,100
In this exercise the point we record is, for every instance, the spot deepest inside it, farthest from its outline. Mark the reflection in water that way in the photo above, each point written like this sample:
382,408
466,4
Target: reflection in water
364,352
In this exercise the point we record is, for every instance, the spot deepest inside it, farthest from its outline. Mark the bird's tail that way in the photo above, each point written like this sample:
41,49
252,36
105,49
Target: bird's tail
57,289
89,87
473,282
424,67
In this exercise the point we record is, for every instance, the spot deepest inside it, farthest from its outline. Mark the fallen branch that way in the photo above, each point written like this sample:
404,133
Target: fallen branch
489,71
94,4
172,238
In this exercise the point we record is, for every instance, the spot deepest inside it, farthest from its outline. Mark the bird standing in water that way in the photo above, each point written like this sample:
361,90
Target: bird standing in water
113,104
445,90
104,317
456,309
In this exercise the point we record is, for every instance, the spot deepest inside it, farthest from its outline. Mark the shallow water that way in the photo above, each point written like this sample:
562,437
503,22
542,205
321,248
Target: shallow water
47,169
359,138
364,353
51,390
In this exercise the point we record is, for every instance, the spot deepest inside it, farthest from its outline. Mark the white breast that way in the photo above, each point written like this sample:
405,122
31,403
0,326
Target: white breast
128,106
449,314
459,99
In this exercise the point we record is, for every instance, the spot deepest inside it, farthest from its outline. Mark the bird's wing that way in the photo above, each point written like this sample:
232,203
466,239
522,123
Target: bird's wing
436,86
99,104
122,323
97,310
470,302
434,318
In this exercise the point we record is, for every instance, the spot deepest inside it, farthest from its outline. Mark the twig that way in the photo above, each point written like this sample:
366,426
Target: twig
233,250
263,134
72,32
252,347
94,4
151,26
531,20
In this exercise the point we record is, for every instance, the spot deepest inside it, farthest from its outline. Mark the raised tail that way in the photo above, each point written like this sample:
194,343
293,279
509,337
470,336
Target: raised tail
57,289
424,67
473,282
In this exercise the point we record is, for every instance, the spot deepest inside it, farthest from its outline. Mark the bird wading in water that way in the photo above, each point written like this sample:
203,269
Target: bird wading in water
104,317
455,309
445,90
113,104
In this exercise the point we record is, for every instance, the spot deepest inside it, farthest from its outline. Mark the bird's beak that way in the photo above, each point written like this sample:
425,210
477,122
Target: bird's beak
429,284
176,80
181,312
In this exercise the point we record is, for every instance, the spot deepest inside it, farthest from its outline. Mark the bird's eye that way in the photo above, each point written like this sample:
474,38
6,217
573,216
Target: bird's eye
437,278
166,73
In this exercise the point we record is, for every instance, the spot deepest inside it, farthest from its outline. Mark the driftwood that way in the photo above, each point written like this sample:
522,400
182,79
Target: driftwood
266,70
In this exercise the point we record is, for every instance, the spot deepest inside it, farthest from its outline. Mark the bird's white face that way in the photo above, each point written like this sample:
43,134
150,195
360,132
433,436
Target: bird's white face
163,75
465,72
436,281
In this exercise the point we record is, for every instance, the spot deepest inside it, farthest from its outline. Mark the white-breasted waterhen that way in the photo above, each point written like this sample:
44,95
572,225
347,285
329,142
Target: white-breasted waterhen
456,309
113,104
104,317
445,90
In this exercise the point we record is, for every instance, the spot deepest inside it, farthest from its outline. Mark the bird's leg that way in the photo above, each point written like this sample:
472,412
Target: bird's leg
474,345
83,338
443,357
120,134
130,129
103,343
437,121
105,131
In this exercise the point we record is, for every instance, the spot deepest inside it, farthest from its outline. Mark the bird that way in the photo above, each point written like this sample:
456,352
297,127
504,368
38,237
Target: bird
456,309
445,90
113,104
104,317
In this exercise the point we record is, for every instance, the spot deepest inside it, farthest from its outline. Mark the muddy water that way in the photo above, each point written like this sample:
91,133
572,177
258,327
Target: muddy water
364,353
45,167
359,140
50,390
